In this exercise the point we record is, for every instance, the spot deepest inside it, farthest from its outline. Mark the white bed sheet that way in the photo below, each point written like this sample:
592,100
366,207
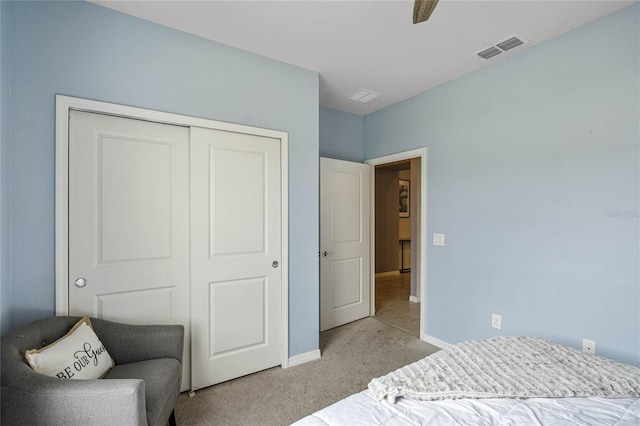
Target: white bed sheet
363,409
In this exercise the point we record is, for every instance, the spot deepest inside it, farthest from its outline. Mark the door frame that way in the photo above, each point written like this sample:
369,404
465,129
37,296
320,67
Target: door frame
421,225
64,104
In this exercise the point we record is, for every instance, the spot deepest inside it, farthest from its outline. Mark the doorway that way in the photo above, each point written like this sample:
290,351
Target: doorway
399,287
396,301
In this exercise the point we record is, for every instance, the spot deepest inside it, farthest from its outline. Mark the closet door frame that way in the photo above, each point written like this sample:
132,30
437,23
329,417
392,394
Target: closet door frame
64,104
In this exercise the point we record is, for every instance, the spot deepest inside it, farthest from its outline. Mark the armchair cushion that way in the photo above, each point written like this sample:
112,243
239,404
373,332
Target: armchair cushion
79,354
157,400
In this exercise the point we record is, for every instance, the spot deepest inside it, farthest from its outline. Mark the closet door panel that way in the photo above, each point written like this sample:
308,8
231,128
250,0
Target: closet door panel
129,221
236,251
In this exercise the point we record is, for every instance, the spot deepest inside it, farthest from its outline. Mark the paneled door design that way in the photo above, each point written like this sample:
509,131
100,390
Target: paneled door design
129,221
345,265
236,290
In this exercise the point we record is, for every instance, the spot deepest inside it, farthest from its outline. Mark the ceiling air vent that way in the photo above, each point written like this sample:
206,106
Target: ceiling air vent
489,52
510,43
501,46
365,96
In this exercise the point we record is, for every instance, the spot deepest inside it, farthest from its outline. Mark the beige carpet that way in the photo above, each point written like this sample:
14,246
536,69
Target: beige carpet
351,356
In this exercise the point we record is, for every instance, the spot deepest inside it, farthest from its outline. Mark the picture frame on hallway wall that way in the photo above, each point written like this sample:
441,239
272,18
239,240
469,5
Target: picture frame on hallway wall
403,192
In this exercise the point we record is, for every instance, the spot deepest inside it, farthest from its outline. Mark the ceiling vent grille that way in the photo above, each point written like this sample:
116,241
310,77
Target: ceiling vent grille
364,96
501,46
489,52
510,43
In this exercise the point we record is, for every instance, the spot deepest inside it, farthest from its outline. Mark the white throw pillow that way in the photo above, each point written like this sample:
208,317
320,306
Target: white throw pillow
79,354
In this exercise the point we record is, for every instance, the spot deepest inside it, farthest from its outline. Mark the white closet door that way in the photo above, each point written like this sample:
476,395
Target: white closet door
129,221
235,255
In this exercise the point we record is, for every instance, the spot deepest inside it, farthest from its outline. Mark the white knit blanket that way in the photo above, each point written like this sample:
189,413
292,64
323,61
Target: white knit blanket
509,367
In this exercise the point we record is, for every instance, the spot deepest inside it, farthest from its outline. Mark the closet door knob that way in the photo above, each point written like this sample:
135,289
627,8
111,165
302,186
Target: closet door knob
80,282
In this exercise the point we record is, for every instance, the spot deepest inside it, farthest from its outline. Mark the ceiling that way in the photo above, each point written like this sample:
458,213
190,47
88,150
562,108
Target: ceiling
371,44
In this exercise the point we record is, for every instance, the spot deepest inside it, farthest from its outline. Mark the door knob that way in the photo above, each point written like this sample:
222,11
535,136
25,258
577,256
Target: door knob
80,282
275,264
326,253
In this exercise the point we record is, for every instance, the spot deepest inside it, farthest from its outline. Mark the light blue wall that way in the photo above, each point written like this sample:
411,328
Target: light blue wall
5,79
84,50
341,135
533,176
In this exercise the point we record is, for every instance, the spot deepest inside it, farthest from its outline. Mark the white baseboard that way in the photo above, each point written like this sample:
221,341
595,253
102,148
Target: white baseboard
414,299
304,358
387,274
435,341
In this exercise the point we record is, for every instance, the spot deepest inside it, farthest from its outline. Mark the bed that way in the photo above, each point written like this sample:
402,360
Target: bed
498,381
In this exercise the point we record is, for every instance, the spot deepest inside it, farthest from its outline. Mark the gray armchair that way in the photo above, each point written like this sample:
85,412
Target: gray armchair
140,390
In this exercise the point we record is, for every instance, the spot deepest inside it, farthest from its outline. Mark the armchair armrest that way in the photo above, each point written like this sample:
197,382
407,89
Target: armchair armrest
36,399
132,343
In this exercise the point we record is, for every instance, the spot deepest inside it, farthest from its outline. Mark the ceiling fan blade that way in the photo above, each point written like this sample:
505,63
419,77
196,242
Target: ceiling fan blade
422,10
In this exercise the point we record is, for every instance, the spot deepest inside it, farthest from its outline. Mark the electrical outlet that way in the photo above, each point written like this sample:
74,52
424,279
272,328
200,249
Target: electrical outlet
589,346
496,321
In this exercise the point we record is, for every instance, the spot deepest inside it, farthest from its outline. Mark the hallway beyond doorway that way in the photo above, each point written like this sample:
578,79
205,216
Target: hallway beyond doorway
393,306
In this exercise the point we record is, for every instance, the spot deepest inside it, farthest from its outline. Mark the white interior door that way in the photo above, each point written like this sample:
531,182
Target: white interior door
129,221
345,265
236,251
